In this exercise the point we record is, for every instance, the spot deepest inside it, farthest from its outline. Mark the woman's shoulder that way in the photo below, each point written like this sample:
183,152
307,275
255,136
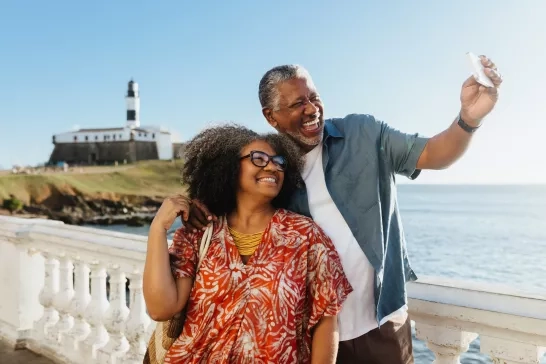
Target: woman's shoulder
183,233
294,222
287,216
301,231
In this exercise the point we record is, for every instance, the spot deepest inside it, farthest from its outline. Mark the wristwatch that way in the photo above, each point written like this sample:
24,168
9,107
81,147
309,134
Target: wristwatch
465,126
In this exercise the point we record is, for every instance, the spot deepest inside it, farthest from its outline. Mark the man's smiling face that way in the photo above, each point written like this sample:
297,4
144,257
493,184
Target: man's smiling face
299,112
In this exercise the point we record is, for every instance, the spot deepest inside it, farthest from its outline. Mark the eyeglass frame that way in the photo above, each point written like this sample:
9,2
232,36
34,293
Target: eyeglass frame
279,167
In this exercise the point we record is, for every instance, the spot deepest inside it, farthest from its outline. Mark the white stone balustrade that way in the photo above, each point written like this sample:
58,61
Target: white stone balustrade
449,314
73,321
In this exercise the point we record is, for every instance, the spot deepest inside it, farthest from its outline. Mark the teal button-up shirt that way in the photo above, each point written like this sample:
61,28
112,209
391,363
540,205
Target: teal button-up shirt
361,157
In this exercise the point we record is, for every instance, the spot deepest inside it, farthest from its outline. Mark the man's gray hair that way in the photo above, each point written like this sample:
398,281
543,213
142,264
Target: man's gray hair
268,93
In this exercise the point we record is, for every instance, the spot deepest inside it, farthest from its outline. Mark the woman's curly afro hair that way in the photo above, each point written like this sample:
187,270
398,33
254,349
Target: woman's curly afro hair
212,163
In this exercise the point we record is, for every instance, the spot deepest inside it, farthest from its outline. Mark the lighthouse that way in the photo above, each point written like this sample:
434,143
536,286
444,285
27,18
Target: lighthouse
118,143
133,105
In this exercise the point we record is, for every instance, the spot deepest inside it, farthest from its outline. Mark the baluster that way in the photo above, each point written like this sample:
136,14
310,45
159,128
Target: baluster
79,303
98,337
62,299
114,319
51,287
137,323
446,344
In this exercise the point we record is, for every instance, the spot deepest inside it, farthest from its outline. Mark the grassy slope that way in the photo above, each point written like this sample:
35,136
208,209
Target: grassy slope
149,178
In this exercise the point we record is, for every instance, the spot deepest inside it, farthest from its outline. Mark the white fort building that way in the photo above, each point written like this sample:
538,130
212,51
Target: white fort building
129,143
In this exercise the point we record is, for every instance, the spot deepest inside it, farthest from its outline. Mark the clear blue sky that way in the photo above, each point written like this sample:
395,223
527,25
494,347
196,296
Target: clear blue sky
67,63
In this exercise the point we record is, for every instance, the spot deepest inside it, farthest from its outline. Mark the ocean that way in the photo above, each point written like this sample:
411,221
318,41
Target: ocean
492,234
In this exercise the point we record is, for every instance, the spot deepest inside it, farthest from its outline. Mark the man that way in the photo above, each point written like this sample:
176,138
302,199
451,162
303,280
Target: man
349,191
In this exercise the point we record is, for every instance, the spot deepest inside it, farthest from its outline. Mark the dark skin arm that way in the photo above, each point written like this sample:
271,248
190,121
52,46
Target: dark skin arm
445,148
325,341
165,296
477,101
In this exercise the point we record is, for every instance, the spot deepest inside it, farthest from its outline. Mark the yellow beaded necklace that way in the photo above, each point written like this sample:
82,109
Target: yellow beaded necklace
246,243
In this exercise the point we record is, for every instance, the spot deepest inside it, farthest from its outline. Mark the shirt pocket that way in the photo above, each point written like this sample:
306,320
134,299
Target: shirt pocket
356,189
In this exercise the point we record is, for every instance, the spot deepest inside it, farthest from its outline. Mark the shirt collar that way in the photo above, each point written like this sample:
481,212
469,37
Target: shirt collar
330,130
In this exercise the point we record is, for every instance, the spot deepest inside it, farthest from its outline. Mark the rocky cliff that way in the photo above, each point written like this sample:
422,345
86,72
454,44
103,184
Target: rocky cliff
94,195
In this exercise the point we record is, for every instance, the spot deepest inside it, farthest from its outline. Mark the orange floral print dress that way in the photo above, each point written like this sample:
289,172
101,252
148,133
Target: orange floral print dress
264,311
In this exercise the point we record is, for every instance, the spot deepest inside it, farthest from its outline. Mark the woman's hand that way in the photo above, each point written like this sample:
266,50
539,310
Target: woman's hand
170,209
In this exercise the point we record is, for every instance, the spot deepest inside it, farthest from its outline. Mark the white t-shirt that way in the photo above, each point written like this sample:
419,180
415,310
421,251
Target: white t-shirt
357,316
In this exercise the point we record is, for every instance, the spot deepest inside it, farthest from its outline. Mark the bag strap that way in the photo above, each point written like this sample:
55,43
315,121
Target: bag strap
205,242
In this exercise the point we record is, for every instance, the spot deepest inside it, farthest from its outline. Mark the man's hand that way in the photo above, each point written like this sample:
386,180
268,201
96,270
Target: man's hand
199,216
171,208
477,100
443,149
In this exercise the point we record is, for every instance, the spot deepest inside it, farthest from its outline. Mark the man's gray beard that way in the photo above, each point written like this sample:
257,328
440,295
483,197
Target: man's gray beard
312,142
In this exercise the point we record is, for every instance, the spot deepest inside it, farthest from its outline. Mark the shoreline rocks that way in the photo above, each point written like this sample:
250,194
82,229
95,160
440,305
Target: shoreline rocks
79,210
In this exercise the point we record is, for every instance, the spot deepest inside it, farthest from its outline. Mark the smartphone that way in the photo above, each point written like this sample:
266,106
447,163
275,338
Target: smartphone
478,73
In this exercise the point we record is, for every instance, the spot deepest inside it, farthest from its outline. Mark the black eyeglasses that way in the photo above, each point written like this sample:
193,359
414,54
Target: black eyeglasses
261,159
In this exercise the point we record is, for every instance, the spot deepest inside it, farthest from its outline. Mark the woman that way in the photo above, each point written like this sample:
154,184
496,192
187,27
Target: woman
271,283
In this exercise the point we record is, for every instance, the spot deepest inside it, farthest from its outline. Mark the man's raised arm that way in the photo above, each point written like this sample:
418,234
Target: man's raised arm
443,149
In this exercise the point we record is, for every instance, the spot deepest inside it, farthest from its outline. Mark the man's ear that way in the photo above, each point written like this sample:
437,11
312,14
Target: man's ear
268,114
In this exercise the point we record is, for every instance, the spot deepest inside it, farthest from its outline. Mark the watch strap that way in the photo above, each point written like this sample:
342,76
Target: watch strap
465,126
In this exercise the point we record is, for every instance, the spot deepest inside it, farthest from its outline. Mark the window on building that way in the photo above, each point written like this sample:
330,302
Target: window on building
105,137
86,138
153,135
146,135
139,134
114,136
120,136
75,138
96,137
